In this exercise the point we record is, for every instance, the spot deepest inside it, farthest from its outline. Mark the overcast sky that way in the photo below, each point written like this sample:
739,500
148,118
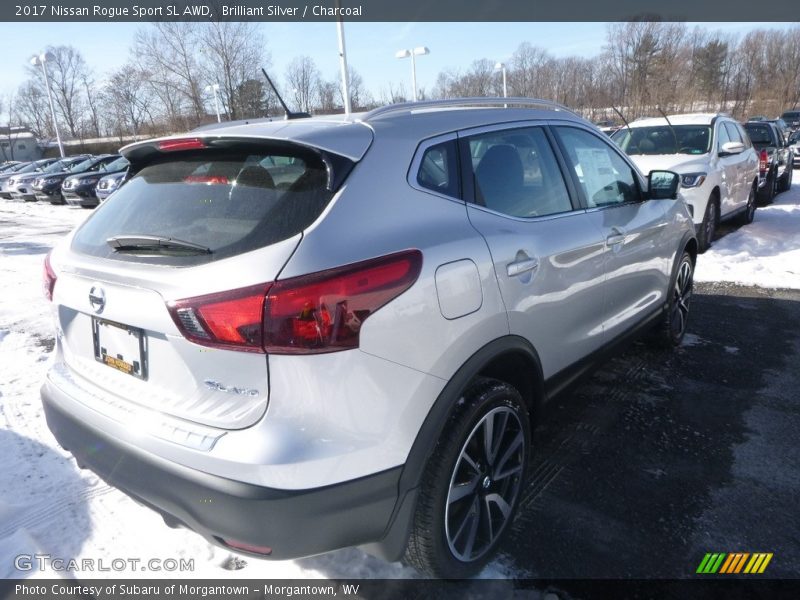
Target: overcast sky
370,46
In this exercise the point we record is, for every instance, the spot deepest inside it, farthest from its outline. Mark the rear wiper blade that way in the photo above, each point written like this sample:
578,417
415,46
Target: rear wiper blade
122,243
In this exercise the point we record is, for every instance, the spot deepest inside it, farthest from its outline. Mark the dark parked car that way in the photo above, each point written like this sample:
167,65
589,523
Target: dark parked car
783,127
78,188
49,188
792,119
775,159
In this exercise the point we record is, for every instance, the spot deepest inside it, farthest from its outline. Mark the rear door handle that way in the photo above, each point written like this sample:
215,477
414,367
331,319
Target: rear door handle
618,237
518,267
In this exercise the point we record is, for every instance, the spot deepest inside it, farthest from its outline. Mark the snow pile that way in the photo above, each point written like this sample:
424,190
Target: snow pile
765,253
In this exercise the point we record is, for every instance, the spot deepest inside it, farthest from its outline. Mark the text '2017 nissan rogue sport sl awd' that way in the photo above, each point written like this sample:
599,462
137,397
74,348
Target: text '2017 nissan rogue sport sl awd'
303,335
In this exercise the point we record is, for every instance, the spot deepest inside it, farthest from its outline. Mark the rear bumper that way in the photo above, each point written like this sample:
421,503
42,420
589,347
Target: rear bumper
293,523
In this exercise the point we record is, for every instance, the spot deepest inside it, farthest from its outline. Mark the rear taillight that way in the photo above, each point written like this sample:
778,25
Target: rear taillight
324,312
48,278
231,319
321,312
763,157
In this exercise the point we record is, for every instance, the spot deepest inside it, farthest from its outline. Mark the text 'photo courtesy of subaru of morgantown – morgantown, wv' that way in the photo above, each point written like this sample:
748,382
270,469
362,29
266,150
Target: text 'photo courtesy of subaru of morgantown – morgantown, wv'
524,315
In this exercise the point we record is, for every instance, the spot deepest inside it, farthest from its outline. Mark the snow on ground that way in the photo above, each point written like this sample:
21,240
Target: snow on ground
48,505
765,253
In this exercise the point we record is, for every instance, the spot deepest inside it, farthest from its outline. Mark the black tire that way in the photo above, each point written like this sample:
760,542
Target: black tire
750,210
672,328
785,182
468,494
769,190
709,225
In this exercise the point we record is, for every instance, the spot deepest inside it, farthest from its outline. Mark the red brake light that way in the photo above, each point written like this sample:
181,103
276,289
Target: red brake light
762,161
231,319
207,179
181,144
321,312
324,312
48,278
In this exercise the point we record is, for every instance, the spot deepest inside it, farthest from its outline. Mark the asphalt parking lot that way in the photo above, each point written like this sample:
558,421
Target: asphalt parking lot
660,457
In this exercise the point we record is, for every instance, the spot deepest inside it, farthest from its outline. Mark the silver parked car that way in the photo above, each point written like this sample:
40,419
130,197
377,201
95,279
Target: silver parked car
309,334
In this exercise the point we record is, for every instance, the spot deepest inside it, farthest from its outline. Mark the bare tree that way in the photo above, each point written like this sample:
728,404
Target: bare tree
302,83
359,96
66,71
127,100
32,111
169,52
233,52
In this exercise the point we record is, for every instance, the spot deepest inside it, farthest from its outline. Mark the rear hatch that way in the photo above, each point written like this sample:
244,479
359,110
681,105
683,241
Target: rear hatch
160,295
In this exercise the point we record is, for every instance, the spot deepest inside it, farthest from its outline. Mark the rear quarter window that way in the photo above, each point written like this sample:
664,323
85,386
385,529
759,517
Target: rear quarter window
229,202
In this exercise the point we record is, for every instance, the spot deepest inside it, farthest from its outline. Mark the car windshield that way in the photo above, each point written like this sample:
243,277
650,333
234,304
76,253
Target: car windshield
58,166
29,168
790,115
115,165
661,139
83,165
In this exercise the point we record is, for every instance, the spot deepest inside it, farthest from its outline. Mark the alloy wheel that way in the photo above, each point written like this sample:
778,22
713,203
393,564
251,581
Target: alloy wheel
485,484
681,297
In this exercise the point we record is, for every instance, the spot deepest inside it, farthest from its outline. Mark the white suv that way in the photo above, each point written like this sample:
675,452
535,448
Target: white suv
301,335
714,157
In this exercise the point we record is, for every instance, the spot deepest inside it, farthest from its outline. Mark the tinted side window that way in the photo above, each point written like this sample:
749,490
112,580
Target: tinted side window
438,170
722,136
733,132
516,173
605,177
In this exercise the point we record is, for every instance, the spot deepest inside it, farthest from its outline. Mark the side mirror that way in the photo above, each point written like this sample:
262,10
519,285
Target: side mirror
663,185
729,148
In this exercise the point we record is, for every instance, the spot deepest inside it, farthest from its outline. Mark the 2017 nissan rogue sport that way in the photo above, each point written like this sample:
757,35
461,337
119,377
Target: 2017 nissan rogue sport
303,335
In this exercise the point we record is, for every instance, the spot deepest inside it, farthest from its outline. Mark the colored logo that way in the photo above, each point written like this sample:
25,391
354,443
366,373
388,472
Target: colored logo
735,562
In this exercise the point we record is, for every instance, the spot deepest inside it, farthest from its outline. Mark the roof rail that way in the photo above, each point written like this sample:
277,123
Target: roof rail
457,102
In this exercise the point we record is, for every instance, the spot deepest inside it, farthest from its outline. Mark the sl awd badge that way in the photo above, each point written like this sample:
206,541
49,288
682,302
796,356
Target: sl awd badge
217,386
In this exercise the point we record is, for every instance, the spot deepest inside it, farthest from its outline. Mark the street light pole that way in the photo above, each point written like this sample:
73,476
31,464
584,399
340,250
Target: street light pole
41,60
502,67
343,65
215,88
418,51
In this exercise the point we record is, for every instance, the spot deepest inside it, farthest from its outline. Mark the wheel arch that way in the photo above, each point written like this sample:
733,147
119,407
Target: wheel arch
511,359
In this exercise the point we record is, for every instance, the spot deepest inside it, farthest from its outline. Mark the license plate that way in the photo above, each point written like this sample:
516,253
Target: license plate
120,347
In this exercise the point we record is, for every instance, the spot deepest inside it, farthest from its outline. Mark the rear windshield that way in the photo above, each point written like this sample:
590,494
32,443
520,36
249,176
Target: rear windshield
794,115
678,139
227,202
759,134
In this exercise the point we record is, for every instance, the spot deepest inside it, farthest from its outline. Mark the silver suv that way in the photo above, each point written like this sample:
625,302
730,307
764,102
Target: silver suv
304,335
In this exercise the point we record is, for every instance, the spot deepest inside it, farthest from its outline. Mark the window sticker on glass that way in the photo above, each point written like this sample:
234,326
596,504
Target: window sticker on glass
597,170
